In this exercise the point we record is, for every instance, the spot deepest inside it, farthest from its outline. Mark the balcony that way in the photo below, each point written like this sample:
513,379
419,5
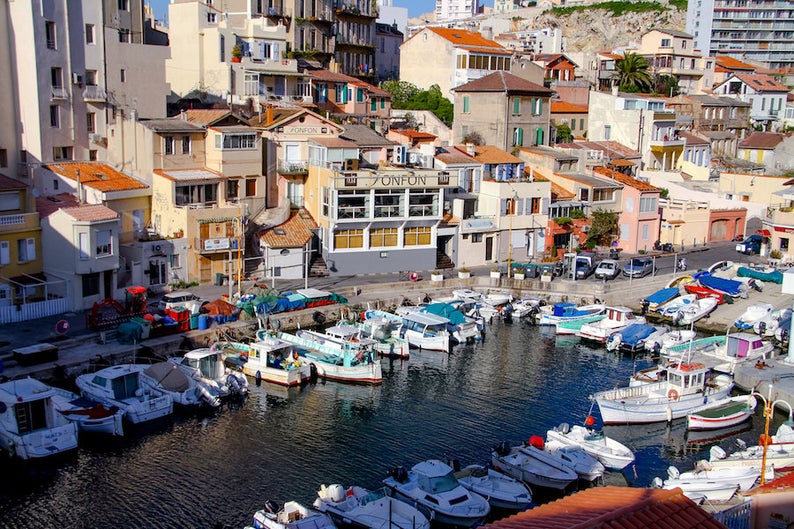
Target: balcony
269,66
354,11
216,244
94,94
19,222
782,216
341,40
283,101
59,93
293,168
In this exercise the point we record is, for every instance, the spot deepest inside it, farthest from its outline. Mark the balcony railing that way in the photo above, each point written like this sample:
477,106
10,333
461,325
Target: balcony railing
285,100
59,92
93,93
293,168
19,220
216,244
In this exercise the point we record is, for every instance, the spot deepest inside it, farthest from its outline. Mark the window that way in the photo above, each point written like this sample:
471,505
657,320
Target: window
123,75
518,137
235,142
665,43
348,239
124,35
602,195
250,187
373,104
26,250
581,124
124,5
91,284
535,205
417,236
90,77
251,84
222,49
648,205
232,189
644,232
341,93
383,237
359,95
584,194
168,145
104,243
185,144
56,78
62,153
55,116
212,18
784,244
196,194
607,132
476,237
516,106
3,158
92,155
423,203
5,254
466,109
89,33
537,106
49,31
82,241
90,122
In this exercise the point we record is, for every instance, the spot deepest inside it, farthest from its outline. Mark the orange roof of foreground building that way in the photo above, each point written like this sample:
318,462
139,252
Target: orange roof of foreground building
470,40
730,63
630,181
489,154
91,213
99,176
295,232
614,508
567,108
46,206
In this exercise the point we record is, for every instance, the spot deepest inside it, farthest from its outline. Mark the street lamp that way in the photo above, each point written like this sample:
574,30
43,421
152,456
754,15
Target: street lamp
769,411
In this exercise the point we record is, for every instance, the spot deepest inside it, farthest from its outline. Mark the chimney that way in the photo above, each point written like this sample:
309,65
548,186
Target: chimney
79,187
269,115
470,149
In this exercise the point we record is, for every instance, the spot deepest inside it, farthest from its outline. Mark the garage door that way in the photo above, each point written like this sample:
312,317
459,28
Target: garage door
719,230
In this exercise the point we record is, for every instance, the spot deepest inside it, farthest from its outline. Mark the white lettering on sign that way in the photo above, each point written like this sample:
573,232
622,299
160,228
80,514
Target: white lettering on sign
308,131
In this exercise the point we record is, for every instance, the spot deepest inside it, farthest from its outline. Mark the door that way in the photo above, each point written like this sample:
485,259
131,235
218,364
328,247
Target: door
488,248
107,284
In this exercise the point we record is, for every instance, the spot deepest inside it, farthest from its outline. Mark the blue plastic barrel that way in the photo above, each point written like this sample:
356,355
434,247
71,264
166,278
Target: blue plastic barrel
203,322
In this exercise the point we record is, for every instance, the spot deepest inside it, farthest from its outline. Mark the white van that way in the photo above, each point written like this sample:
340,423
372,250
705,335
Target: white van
181,298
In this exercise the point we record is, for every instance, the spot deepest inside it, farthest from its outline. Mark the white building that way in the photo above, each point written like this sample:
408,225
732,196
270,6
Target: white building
766,96
388,13
447,10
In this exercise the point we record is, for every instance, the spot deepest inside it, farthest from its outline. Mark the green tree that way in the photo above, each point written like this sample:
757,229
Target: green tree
564,134
666,85
603,226
401,92
632,73
474,137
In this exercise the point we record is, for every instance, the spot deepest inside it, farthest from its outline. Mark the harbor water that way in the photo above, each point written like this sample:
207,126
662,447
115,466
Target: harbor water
282,444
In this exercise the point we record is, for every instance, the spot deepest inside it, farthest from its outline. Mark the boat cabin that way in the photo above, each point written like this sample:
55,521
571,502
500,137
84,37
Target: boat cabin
620,314
426,324
26,406
274,352
206,361
685,378
349,333
742,344
435,477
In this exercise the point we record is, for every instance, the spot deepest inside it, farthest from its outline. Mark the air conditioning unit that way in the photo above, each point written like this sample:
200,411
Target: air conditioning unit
77,78
351,164
415,158
398,155
96,138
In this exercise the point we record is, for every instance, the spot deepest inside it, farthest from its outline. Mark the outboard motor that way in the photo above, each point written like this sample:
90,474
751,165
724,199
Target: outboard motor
455,464
716,452
564,428
657,483
503,448
673,472
400,474
271,506
644,306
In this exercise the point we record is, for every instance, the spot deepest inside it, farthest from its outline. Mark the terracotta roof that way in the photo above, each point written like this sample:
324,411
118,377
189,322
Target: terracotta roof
295,232
91,213
96,175
691,139
490,154
279,114
560,107
8,184
614,508
364,136
204,116
334,143
46,206
461,37
630,181
334,77
503,82
560,192
761,140
761,83
415,135
732,64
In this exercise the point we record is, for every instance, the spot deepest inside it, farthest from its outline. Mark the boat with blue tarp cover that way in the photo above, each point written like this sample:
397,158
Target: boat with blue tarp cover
660,297
630,339
565,311
728,287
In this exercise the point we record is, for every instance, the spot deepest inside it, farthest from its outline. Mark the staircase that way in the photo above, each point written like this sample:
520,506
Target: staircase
318,268
443,261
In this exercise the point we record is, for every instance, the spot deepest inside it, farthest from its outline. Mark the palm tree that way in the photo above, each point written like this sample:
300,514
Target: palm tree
632,73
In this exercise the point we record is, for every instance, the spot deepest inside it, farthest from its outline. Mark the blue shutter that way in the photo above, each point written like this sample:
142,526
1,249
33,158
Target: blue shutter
520,205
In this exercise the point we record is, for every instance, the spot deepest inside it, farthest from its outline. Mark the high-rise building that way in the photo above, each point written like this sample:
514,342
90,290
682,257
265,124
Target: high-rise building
753,30
448,10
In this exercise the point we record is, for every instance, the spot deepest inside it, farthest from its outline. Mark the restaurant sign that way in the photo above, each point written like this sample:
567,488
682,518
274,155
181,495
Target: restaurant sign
217,244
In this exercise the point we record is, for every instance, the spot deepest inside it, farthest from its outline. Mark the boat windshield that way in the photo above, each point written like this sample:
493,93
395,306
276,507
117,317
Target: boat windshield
374,495
443,483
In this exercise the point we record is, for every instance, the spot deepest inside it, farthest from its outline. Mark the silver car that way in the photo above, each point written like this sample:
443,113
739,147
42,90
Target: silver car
607,269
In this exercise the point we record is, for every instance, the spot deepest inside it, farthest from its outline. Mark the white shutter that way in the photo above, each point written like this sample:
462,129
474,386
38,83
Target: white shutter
85,251
31,249
5,253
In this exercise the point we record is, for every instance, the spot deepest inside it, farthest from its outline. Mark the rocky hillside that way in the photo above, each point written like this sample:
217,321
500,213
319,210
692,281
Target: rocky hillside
593,29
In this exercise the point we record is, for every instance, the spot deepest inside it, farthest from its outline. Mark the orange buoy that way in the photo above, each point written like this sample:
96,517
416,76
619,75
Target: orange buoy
672,394
589,421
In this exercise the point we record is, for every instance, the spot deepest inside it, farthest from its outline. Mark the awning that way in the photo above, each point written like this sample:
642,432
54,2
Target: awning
764,233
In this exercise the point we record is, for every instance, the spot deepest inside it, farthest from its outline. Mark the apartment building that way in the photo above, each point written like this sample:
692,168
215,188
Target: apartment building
673,53
449,10
766,96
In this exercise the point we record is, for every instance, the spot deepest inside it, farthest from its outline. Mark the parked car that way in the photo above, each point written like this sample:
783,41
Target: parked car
638,267
607,269
585,265
751,245
183,299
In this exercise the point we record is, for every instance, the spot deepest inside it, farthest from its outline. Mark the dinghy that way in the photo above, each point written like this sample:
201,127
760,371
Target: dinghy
586,466
660,297
630,339
672,307
753,314
728,287
532,465
721,413
292,516
769,275
501,491
769,324
705,292
715,485
689,314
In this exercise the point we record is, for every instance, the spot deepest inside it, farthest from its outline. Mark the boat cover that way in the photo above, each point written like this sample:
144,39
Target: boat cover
636,332
726,286
775,276
662,296
563,309
446,310
169,376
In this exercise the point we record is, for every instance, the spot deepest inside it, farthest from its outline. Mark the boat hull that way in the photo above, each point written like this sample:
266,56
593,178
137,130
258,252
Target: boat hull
40,443
528,469
612,454
734,411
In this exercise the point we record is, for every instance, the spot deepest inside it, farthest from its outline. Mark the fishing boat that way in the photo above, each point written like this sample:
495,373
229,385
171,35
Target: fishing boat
462,328
728,351
532,465
586,466
721,413
385,332
692,312
671,308
618,318
566,311
423,331
168,378
573,326
761,273
526,307
687,386
122,386
660,297
267,359
432,487
611,453
89,415
332,358
753,314
631,339
501,491
707,345
705,292
292,516
30,425
206,366
367,509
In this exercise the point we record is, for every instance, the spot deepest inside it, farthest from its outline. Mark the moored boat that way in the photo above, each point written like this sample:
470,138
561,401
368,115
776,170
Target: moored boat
611,453
728,351
292,515
630,339
721,413
618,318
671,308
385,332
661,296
701,291
267,359
501,490
572,326
89,415
713,484
168,378
532,465
367,509
753,314
566,311
586,466
206,367
699,308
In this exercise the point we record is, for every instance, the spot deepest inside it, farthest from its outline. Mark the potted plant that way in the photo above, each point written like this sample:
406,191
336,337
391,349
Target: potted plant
237,53
496,273
519,273
436,275
464,273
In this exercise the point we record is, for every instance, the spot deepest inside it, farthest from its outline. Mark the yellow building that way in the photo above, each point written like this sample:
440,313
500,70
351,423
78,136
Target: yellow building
20,237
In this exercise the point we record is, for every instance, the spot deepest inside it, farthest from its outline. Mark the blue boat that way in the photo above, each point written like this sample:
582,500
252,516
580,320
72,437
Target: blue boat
566,311
660,297
767,275
729,287
630,339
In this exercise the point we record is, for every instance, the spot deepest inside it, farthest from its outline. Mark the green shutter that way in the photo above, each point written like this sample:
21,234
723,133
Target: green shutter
516,106
466,104
539,136
520,138
540,106
359,95
373,104
382,102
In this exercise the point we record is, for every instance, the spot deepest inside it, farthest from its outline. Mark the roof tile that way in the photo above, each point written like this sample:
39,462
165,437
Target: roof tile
91,213
501,82
96,175
630,181
762,140
295,232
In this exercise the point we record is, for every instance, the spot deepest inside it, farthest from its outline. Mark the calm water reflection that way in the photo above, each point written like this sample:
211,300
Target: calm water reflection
283,443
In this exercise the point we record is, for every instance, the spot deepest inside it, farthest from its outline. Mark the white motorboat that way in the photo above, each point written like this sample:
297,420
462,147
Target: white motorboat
769,324
667,338
753,314
497,298
573,326
611,453
526,307
423,331
670,308
206,367
687,386
779,454
268,359
501,491
30,425
89,415
713,485
385,332
729,350
168,378
695,310
532,465
586,466
292,516
362,508
618,318
431,486
722,413
122,386
332,358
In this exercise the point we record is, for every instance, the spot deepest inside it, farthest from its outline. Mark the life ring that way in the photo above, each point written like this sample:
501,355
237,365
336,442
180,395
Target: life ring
414,276
672,394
